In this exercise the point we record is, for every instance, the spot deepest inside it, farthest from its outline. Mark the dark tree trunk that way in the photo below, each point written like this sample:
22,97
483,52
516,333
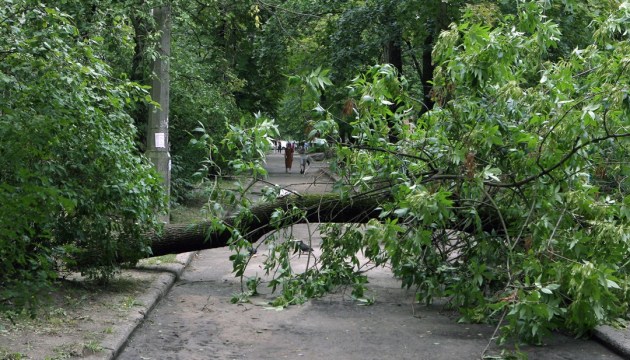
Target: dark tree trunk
328,208
137,74
140,39
393,56
427,73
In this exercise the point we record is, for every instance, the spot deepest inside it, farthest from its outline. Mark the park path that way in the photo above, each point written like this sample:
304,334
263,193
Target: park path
315,180
197,321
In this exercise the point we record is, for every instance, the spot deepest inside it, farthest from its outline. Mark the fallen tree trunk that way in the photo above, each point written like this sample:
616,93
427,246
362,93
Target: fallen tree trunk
327,208
317,208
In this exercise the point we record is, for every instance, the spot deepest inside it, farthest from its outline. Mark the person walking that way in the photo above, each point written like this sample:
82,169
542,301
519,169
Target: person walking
288,157
303,158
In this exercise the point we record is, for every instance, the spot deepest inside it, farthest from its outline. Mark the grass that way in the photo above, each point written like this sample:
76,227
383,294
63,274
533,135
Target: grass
186,214
48,321
92,346
164,259
10,355
66,351
74,350
128,302
69,299
190,211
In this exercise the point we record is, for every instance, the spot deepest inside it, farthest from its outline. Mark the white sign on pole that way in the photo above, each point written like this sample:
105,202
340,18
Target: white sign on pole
159,140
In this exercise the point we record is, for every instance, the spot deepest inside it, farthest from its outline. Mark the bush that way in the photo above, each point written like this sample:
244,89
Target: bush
75,192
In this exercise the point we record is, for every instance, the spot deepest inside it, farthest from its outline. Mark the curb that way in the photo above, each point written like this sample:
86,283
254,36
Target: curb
617,340
170,273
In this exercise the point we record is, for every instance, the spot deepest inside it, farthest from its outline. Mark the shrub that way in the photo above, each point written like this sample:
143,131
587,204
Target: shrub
75,192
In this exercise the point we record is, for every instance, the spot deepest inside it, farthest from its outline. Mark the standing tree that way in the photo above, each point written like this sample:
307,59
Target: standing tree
157,126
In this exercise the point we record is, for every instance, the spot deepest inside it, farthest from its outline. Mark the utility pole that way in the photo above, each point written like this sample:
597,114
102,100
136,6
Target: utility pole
157,127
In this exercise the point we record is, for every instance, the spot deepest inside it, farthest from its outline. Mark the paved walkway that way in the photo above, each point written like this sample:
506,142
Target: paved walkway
196,320
314,180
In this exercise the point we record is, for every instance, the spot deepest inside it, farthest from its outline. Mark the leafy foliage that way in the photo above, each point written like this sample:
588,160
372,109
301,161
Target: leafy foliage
74,190
510,197
224,67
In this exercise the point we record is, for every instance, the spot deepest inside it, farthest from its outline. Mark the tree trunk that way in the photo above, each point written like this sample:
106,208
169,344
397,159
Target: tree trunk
328,208
427,73
157,140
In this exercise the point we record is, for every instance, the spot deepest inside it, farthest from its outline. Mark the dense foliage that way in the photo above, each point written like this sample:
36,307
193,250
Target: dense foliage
494,141
74,190
509,197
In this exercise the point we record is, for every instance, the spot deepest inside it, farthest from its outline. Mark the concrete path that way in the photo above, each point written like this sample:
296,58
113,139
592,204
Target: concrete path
314,180
196,320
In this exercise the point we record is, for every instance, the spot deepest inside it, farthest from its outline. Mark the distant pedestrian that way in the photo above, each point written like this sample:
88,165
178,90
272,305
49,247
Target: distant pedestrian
303,158
288,157
279,147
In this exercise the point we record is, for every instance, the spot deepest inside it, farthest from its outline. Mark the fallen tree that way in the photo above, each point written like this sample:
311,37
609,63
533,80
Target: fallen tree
327,208
520,169
315,208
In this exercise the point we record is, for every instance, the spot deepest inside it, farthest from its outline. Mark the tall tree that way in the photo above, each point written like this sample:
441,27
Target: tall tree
157,125
347,37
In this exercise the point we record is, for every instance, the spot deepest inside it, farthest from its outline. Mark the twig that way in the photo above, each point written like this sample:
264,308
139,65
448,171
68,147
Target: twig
496,329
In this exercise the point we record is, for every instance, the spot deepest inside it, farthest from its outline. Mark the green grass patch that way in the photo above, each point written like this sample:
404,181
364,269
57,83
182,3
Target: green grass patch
164,259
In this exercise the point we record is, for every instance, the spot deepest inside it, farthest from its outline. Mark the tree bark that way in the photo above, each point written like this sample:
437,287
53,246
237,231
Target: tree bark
157,140
427,73
327,208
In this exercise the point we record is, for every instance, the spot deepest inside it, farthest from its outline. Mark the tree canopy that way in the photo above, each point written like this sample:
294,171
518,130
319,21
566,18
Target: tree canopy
490,138
72,185
509,196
